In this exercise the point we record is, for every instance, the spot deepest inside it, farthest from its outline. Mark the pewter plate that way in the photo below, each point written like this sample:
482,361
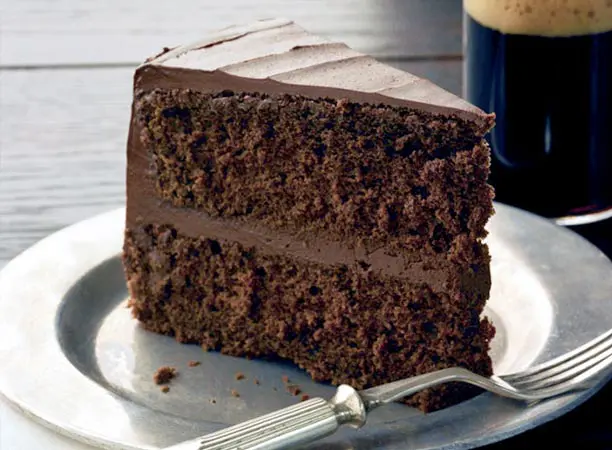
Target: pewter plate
74,359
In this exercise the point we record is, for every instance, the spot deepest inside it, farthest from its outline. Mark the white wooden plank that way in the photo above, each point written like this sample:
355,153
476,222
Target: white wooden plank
62,141
51,32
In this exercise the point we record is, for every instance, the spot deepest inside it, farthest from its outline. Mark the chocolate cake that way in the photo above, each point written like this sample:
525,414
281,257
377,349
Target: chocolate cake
289,197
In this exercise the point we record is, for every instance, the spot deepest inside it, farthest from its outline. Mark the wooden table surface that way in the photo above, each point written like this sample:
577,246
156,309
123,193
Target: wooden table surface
65,92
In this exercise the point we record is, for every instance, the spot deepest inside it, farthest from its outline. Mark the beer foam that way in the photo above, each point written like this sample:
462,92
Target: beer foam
543,17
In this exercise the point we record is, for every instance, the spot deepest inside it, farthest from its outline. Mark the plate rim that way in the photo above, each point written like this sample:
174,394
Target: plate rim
90,437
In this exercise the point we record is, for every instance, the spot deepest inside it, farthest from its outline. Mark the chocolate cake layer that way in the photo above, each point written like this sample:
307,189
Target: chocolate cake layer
342,323
235,156
291,198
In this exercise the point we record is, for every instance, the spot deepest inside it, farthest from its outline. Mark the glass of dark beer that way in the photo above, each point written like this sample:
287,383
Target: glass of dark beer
544,67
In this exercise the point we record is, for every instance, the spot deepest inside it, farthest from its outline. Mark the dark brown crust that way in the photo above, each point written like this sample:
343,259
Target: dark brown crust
341,324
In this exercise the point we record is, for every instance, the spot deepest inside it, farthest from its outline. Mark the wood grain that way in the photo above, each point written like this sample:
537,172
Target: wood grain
39,32
62,146
62,138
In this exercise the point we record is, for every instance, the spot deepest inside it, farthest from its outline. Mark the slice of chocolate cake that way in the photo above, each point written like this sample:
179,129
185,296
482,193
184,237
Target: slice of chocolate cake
289,197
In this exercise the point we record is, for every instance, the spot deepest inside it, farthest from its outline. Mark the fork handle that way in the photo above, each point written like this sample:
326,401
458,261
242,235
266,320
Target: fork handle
289,427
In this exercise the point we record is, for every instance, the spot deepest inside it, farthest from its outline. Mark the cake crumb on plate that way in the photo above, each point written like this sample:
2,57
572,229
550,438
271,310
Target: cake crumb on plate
164,375
293,389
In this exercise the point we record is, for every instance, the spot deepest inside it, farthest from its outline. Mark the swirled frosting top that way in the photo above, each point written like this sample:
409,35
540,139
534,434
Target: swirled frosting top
278,56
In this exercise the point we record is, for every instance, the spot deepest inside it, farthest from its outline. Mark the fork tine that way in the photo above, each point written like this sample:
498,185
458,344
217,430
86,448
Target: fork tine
581,381
565,367
569,373
594,344
593,371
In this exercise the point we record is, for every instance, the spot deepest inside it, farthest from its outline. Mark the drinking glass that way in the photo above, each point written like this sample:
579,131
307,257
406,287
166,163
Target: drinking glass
544,67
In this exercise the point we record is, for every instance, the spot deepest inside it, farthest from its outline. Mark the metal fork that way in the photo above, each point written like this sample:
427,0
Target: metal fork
316,418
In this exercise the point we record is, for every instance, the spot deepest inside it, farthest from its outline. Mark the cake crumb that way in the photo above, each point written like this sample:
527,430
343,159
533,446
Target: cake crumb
165,389
285,379
164,375
239,376
256,381
194,363
235,393
293,389
305,397
163,52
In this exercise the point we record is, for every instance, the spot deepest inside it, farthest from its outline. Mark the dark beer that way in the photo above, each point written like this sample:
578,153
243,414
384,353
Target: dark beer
549,81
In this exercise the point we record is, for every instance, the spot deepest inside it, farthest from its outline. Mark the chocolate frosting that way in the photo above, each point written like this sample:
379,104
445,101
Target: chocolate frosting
277,56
